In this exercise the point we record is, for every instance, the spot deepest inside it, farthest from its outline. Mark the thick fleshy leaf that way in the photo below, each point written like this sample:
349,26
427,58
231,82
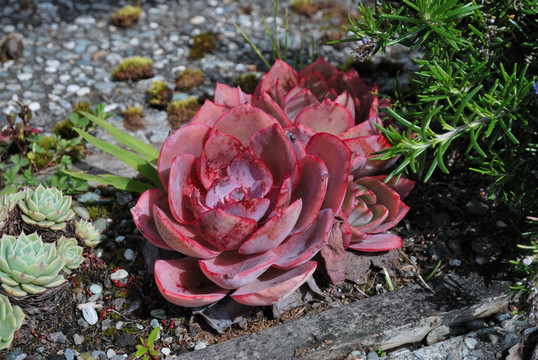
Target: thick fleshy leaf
389,224
253,209
314,82
181,282
402,187
302,246
274,149
208,114
182,238
370,219
219,150
326,69
242,122
365,128
280,72
231,270
267,104
253,174
274,285
283,198
384,195
376,242
311,189
189,139
337,158
143,215
363,162
327,117
346,101
180,186
223,230
230,96
298,101
299,136
274,231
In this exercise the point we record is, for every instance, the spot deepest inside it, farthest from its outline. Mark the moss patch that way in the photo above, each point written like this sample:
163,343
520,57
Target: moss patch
202,44
180,112
247,82
159,95
127,16
188,79
132,118
133,68
305,7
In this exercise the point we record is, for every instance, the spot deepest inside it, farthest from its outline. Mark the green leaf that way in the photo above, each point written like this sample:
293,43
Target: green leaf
128,157
118,182
147,151
153,336
140,350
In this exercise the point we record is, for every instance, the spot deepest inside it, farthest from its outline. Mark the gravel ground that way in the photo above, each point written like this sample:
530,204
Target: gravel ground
70,48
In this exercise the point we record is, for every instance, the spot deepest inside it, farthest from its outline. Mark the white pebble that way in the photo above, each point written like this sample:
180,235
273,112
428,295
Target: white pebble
199,346
34,106
90,315
51,69
153,25
119,325
72,88
129,254
96,289
110,353
134,42
24,76
197,20
119,275
470,342
65,78
52,63
139,327
83,91
119,238
166,351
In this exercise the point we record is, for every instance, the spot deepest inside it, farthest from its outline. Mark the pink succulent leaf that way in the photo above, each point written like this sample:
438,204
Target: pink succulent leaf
384,195
182,238
219,150
143,215
267,104
363,147
366,128
337,157
283,198
182,283
334,253
181,184
253,209
377,242
274,285
224,231
230,96
274,149
367,220
280,72
231,270
299,135
189,139
311,189
326,69
314,82
350,197
255,178
402,187
332,95
303,246
298,101
274,231
346,100
389,224
328,117
208,114
242,122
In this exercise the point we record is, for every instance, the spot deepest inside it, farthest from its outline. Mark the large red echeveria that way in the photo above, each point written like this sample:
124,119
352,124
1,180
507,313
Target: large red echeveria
247,211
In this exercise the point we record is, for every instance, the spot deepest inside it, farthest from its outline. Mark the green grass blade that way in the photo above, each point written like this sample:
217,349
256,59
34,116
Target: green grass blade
252,45
118,182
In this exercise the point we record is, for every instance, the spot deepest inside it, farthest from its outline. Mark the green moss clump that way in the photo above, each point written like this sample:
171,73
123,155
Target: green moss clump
133,68
159,95
189,78
97,211
127,16
247,82
202,44
180,112
132,118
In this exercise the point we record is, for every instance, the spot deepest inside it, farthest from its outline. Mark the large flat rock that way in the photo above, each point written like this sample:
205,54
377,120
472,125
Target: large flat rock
382,322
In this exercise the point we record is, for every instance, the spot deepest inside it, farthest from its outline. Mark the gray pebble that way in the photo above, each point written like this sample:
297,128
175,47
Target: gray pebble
96,289
78,339
154,323
129,254
57,337
200,345
470,342
69,355
119,275
158,314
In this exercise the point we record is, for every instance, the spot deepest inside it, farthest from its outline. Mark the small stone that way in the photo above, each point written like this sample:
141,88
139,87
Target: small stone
528,331
200,345
154,323
34,106
110,353
85,20
78,339
372,356
90,315
509,340
119,325
140,327
197,20
454,262
82,323
72,88
24,76
470,342
476,207
96,289
158,314
125,340
69,354
106,323
440,333
96,354
119,275
52,63
129,254
57,337
500,224
166,351
83,91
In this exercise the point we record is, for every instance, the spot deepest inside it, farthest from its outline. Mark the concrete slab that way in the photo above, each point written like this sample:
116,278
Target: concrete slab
382,322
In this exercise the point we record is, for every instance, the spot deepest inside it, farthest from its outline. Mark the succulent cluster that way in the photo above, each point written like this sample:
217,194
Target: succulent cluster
85,231
7,204
11,319
257,186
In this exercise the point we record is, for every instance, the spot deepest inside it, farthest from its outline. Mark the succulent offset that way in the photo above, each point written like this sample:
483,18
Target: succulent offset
253,185
10,320
7,204
46,207
29,266
71,253
85,231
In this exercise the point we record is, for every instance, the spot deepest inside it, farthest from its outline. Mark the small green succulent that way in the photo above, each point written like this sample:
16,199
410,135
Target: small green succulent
85,230
70,251
7,204
29,266
11,319
46,207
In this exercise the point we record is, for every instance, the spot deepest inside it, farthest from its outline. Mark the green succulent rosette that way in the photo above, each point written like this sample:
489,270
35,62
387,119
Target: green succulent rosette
87,232
10,321
70,251
7,204
46,207
29,266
